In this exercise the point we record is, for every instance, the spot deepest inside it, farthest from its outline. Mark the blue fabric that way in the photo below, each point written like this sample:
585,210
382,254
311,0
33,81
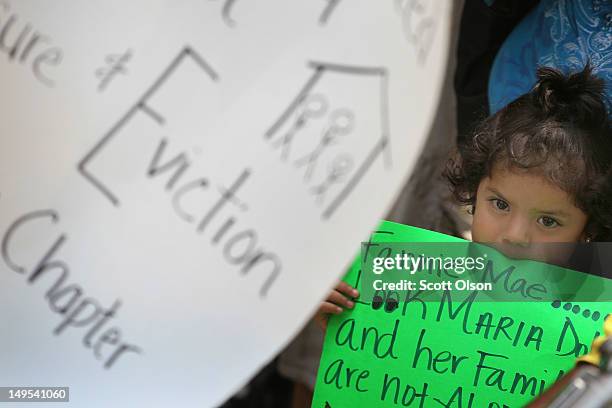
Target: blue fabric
563,34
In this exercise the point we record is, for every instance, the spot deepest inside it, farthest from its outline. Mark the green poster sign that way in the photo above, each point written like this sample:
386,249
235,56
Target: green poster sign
451,352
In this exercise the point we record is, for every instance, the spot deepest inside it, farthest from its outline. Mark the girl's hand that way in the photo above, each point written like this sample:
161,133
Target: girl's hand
338,299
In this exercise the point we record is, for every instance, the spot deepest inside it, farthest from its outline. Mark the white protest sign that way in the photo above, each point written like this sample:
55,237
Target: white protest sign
182,181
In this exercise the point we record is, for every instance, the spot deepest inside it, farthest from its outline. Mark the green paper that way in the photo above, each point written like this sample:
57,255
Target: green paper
424,356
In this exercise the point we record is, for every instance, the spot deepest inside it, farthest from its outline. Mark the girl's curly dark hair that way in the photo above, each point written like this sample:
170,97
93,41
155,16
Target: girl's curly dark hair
559,129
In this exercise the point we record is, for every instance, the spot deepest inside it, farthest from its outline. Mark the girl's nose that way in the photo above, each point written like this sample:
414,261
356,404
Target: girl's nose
516,232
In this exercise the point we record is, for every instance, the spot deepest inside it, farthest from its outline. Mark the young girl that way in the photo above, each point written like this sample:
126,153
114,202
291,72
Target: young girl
538,171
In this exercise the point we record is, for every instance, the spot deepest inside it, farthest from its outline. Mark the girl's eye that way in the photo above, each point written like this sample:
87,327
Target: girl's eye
500,204
548,222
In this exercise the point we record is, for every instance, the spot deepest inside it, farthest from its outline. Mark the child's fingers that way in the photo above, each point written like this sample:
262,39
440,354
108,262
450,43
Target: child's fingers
329,308
339,299
347,289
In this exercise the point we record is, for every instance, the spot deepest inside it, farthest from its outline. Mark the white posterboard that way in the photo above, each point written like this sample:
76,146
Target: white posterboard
182,181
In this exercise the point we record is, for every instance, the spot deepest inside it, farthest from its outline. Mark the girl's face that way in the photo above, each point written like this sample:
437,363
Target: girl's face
515,209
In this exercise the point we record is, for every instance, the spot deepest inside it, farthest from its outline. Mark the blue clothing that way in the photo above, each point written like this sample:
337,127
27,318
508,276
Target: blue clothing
563,34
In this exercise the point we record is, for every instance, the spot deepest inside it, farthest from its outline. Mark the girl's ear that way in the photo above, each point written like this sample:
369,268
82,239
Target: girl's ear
589,232
586,237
